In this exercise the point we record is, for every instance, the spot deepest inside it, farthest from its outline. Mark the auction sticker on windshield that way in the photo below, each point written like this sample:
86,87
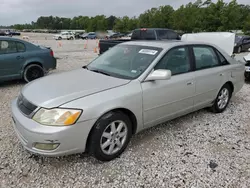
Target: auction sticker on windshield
148,51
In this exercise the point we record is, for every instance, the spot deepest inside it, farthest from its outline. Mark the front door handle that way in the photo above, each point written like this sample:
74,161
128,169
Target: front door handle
190,83
221,74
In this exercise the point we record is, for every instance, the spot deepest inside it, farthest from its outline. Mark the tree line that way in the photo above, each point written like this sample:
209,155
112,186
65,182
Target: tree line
192,17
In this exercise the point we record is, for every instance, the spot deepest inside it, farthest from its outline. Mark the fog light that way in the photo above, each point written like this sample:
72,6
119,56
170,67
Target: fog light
46,146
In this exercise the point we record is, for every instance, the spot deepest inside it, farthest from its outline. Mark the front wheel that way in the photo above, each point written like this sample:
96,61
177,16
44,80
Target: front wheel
222,99
110,136
239,49
33,72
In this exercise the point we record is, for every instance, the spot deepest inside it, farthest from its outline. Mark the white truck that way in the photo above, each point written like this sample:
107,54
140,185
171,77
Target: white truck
64,35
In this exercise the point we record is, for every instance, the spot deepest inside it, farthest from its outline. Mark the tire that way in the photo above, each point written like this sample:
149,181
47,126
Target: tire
222,99
239,49
106,144
59,38
71,38
33,72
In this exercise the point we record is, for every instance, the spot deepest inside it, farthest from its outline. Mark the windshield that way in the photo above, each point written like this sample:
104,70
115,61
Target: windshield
238,38
125,61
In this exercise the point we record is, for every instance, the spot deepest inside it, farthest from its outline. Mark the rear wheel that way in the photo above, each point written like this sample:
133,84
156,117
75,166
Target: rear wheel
33,72
59,38
110,136
222,99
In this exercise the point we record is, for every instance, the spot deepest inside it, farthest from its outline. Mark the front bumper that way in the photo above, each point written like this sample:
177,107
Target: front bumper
71,139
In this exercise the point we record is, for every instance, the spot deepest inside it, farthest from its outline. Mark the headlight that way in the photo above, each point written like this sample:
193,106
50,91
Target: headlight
57,116
235,44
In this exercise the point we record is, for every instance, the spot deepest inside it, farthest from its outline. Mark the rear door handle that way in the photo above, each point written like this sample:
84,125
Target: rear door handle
19,57
221,74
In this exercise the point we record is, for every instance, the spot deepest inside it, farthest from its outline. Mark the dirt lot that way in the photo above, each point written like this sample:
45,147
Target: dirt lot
199,150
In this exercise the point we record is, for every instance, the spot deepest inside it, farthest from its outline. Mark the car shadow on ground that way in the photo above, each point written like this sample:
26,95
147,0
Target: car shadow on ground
12,83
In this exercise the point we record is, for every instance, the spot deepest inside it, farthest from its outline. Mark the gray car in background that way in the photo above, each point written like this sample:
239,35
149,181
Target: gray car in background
20,59
131,87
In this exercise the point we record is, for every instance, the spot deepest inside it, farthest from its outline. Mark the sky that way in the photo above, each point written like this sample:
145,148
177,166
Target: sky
25,11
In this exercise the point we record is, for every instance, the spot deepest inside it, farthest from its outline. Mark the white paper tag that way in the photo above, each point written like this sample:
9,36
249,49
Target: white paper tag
148,51
134,71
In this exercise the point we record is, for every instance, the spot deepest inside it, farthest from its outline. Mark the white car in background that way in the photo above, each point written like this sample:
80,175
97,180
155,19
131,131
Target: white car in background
64,35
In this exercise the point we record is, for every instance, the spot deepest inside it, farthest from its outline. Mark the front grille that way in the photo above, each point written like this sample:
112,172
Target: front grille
25,106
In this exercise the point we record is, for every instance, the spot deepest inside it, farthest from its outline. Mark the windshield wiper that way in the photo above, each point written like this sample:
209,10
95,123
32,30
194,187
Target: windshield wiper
85,67
101,72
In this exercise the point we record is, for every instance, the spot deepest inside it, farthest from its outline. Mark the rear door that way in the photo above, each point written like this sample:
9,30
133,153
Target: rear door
167,99
210,75
12,57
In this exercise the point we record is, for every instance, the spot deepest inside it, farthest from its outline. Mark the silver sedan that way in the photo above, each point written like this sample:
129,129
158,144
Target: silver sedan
131,87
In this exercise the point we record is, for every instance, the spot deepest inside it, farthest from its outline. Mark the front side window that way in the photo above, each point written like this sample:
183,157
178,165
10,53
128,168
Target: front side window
205,57
7,47
176,60
125,61
246,40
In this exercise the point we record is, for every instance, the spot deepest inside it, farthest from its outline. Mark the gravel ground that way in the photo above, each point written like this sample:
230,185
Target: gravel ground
199,150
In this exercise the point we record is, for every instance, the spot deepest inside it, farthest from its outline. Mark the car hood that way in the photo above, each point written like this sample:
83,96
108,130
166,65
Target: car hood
55,90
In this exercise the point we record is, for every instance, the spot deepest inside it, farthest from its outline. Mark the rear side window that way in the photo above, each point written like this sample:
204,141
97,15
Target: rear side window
143,35
7,47
205,57
20,47
162,34
172,35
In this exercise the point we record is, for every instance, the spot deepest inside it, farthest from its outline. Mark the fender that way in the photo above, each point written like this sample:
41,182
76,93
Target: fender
30,61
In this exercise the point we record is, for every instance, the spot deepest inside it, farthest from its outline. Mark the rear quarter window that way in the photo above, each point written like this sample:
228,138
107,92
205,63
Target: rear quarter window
20,47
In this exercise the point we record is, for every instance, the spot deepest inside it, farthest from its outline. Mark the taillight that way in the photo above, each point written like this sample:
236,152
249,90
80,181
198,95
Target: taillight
143,29
52,53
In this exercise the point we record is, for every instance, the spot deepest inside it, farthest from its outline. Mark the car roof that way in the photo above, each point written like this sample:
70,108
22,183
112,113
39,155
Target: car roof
10,38
165,44
153,29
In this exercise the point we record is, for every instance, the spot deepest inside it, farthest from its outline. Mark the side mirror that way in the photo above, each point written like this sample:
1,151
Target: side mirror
159,74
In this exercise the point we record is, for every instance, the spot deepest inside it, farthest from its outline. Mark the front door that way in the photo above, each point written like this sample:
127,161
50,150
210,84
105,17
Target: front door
11,58
167,99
